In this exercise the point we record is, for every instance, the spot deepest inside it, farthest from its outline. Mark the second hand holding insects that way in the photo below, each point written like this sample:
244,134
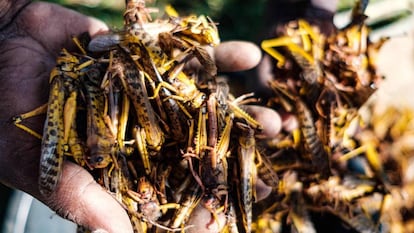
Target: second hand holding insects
221,59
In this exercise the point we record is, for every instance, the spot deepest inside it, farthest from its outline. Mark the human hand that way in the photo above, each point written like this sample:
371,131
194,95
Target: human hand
31,43
28,50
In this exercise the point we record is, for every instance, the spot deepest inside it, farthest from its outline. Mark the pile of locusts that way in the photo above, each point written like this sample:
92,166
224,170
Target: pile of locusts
169,142
346,166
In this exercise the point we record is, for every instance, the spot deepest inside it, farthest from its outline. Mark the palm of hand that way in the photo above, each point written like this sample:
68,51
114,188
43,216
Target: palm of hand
27,55
32,42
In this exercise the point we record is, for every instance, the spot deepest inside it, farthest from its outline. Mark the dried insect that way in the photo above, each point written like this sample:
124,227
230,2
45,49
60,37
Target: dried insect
198,28
61,105
176,114
265,170
134,85
319,156
100,140
137,12
307,131
188,202
304,43
148,202
148,133
178,151
248,174
184,87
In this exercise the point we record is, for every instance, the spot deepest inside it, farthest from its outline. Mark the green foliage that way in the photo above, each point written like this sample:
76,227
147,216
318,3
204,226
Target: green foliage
237,19
107,13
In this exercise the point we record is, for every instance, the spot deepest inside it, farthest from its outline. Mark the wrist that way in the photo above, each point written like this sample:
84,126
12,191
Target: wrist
9,9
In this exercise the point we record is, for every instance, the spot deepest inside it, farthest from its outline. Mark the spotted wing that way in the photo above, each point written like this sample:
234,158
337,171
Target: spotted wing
52,149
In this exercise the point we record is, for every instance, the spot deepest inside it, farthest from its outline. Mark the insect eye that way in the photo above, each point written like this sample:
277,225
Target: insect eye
99,159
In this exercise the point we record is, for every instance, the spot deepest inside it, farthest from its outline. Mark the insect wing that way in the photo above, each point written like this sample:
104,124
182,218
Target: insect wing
52,150
248,175
104,42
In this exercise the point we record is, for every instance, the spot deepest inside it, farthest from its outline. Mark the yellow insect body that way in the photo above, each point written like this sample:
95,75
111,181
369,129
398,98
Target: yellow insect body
52,152
57,138
100,140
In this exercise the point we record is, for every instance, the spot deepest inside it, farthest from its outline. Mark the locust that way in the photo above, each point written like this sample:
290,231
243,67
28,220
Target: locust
212,175
319,156
136,12
72,79
265,170
52,151
176,114
100,140
148,132
248,174
148,203
344,190
120,185
60,119
307,131
188,202
147,39
305,45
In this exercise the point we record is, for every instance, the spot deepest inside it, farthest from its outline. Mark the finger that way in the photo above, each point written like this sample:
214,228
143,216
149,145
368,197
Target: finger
265,72
202,220
268,118
234,56
80,199
290,122
57,34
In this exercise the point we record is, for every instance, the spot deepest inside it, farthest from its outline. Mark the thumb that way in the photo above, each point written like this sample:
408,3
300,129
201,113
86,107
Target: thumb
80,199
232,56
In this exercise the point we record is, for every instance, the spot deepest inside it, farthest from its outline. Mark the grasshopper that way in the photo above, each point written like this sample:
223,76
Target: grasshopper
100,139
189,201
149,132
305,45
75,76
212,176
248,174
136,12
313,144
141,40
338,190
148,203
319,156
59,133
120,185
265,170
177,114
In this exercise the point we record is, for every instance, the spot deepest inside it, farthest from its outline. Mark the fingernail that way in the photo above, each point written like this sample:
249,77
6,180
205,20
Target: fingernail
99,231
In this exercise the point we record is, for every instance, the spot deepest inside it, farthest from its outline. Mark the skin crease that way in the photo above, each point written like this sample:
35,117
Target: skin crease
29,47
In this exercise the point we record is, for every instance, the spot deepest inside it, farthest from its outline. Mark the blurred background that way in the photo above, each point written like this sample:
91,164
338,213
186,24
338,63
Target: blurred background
239,20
